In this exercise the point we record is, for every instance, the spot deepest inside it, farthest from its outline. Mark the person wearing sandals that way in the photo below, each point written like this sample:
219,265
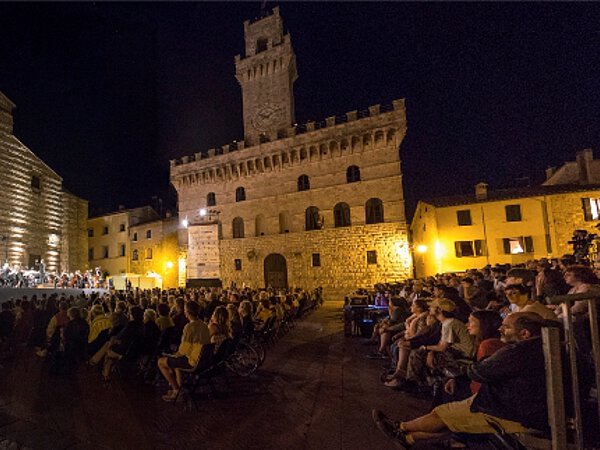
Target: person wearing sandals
512,395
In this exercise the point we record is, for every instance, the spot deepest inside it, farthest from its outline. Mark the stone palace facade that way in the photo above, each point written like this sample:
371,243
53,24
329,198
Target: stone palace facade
320,204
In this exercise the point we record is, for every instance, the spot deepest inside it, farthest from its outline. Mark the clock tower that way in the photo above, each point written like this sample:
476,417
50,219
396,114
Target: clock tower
266,75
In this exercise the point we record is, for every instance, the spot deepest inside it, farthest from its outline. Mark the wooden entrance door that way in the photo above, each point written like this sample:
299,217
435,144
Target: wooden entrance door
276,271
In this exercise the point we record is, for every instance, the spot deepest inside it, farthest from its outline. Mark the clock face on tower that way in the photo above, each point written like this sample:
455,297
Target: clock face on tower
266,116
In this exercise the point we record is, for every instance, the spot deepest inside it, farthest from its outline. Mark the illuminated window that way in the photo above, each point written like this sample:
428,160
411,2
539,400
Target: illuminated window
469,248
513,213
518,245
211,199
463,217
591,208
371,256
238,228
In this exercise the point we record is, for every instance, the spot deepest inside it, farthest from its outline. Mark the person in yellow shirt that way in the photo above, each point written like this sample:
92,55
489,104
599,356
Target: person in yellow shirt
195,336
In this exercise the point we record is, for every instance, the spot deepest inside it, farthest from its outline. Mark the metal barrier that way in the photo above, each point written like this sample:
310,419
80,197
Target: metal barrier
554,371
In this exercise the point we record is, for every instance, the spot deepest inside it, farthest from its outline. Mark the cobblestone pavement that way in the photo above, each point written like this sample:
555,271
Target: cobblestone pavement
315,391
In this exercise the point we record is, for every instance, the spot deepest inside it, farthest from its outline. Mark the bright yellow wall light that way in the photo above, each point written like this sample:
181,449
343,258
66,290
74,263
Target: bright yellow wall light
421,248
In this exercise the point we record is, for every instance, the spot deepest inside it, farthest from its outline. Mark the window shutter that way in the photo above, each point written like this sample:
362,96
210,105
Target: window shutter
587,208
458,249
506,243
528,244
479,247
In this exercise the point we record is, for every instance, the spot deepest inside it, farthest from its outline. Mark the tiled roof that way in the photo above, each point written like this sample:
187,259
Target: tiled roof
507,194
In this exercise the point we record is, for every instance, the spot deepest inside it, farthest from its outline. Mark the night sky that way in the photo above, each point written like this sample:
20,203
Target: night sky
107,93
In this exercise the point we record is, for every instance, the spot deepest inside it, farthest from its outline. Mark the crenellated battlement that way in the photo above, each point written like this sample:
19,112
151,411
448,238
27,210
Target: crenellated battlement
336,135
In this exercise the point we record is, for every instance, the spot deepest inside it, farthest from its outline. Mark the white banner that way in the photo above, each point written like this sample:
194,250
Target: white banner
203,251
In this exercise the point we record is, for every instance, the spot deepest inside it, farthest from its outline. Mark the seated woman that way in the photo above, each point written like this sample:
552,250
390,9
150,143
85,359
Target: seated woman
419,323
234,322
245,311
218,327
127,340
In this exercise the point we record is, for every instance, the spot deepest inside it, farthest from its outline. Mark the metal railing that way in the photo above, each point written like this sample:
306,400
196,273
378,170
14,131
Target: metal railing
557,416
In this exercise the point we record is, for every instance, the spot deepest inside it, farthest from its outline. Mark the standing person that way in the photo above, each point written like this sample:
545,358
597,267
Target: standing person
195,336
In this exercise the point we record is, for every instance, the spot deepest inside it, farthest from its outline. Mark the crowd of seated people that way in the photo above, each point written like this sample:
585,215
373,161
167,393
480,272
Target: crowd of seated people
140,326
471,343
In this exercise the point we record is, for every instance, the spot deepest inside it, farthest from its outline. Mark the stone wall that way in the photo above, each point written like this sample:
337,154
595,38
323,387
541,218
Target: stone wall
343,254
75,239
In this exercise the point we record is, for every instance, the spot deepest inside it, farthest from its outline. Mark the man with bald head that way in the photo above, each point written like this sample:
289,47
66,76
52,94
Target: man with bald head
512,394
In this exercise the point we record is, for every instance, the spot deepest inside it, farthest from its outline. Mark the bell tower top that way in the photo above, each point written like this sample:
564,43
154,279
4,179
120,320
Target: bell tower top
266,74
264,33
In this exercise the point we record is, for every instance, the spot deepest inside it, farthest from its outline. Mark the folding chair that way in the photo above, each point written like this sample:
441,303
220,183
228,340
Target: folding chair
194,376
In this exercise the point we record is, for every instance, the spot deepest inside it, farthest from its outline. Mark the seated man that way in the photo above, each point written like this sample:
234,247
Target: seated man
520,297
195,335
512,393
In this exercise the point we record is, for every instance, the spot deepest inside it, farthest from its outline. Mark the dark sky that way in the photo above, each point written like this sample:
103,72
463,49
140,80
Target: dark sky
107,93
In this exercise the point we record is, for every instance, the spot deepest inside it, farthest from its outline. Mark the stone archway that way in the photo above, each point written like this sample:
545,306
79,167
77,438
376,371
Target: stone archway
276,271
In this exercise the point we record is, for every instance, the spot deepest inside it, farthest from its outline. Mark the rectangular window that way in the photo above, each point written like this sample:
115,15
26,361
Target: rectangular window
518,245
371,257
591,208
238,264
134,237
464,248
104,230
149,234
316,260
90,254
121,249
135,255
513,213
90,232
479,247
463,217
36,183
121,228
149,253
105,251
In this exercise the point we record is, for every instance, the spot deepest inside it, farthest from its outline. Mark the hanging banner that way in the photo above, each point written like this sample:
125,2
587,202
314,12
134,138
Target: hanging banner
203,252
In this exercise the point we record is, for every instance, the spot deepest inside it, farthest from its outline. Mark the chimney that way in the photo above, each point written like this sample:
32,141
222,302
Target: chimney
549,172
481,191
584,165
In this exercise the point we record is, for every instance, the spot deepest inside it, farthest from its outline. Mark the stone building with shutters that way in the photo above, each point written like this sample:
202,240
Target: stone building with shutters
508,226
320,204
40,219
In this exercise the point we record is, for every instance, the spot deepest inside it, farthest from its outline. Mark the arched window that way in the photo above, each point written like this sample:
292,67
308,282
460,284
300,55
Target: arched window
240,194
284,222
312,219
352,174
303,183
374,211
259,225
341,215
261,45
211,199
238,228
135,255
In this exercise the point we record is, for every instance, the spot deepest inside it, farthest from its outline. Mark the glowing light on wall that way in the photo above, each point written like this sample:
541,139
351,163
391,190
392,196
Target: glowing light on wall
169,265
185,222
421,248
202,212
439,250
